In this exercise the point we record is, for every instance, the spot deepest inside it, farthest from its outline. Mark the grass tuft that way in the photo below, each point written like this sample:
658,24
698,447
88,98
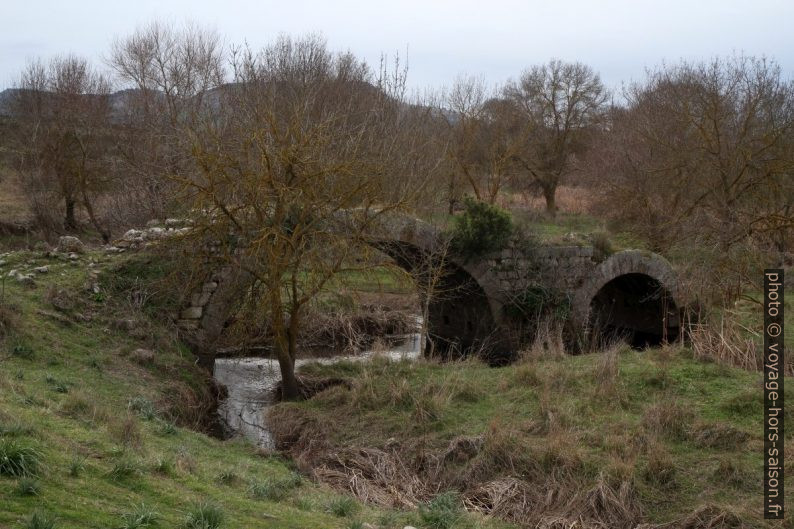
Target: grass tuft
140,516
274,489
76,466
27,486
442,512
18,459
40,520
342,506
143,407
204,516
124,469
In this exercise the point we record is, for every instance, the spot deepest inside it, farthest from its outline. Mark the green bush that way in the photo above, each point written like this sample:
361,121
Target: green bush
480,229
537,301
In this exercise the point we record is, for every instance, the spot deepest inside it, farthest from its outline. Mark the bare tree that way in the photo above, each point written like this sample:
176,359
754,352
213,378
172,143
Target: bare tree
701,160
560,103
171,75
62,109
485,139
308,151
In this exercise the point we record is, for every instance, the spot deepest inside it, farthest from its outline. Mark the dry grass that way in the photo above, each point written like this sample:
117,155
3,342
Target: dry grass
14,208
668,419
725,342
569,199
9,319
126,431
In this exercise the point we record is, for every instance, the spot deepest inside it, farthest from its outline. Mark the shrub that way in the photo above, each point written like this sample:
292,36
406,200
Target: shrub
204,516
140,516
18,459
443,512
536,301
480,229
40,520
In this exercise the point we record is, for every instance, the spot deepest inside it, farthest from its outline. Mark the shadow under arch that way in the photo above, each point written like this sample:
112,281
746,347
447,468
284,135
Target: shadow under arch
460,313
631,296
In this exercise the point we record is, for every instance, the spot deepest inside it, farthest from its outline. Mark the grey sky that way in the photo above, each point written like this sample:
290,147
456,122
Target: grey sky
493,38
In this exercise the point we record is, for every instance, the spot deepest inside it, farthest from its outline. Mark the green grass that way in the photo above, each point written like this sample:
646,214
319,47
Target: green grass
122,438
683,433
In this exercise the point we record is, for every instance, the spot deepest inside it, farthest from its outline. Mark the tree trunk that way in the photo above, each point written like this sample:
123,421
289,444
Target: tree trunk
289,384
549,193
69,221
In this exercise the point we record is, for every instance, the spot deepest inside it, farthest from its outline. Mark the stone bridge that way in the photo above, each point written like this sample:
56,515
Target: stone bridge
483,302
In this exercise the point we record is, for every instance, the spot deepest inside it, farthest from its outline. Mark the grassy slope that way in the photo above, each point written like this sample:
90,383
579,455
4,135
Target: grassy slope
645,415
66,384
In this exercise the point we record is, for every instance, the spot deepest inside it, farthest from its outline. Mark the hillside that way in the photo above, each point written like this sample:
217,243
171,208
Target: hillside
109,435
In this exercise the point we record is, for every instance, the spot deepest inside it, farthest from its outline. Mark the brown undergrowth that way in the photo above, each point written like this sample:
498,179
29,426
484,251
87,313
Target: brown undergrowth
393,435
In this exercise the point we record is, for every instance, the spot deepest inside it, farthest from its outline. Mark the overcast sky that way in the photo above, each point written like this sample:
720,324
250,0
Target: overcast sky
492,38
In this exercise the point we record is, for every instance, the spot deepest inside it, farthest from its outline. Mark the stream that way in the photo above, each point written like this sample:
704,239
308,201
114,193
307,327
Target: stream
250,383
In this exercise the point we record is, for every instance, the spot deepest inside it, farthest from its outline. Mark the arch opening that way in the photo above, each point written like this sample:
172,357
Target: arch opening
459,317
635,308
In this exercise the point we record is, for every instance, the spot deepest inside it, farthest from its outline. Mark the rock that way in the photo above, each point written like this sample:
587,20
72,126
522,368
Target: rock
191,313
409,527
2,263
200,300
173,223
153,223
125,325
42,269
210,287
114,250
154,233
142,356
25,279
73,256
188,325
71,245
132,234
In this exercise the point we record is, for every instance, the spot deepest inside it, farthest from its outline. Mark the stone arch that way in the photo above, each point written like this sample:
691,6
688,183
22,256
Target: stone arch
463,321
633,293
